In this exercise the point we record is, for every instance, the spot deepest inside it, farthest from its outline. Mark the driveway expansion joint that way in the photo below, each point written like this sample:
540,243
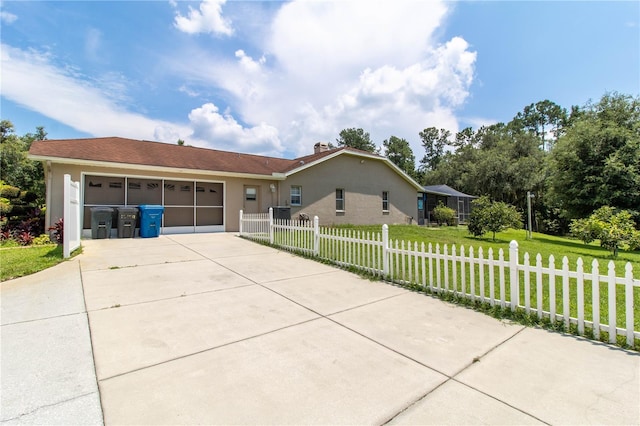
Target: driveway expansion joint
44,318
452,378
93,356
180,296
55,404
206,350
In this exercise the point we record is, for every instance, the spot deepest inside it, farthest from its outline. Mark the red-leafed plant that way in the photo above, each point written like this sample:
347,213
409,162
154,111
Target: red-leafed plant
24,238
58,231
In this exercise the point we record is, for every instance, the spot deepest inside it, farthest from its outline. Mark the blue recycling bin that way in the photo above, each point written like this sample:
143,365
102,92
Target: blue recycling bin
150,220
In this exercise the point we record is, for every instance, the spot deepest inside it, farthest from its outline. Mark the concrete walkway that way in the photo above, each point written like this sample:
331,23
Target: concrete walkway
213,329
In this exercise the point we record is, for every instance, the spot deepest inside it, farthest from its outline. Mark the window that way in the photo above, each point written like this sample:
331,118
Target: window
385,201
340,199
296,195
250,194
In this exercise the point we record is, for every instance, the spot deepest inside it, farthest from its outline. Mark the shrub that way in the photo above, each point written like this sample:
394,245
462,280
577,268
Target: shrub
24,238
41,240
58,231
492,216
8,191
5,234
5,206
614,230
443,214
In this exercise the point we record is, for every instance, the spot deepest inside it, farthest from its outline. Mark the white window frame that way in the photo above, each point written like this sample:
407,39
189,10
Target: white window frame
298,195
250,197
341,199
385,201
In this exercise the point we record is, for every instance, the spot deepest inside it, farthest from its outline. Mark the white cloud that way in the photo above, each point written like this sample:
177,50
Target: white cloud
7,18
222,131
248,63
317,67
477,122
188,91
30,79
208,19
333,65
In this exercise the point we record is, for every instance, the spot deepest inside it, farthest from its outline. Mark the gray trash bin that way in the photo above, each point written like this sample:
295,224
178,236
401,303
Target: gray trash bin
127,219
101,220
282,213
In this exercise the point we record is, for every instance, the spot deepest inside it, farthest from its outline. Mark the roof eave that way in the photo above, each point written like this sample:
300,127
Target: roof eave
146,167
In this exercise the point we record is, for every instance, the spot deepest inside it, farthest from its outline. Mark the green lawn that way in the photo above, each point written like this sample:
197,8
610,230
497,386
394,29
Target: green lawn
546,245
405,270
19,261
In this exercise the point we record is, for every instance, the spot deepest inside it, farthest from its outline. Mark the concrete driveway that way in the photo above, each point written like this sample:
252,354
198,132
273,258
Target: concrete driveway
213,329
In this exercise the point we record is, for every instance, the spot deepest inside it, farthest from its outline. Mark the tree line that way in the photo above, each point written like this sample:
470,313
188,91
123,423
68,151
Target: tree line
22,186
574,161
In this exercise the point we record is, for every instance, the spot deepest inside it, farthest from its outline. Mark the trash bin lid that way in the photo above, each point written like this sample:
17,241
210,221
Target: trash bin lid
127,209
102,209
151,207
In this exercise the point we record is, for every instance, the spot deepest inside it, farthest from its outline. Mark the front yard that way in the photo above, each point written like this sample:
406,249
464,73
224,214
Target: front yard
20,261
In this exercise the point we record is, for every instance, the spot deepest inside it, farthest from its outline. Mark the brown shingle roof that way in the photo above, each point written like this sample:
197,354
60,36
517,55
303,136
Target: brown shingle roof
157,154
130,151
301,161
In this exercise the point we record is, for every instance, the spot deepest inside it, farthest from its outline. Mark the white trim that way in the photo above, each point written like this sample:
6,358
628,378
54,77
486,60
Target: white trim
173,229
191,229
291,195
47,199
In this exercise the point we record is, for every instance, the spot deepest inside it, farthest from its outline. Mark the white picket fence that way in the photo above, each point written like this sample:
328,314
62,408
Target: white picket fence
541,290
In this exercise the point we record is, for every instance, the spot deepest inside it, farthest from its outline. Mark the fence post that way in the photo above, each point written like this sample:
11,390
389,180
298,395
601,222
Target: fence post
385,249
611,295
628,297
240,227
270,225
513,278
316,236
66,215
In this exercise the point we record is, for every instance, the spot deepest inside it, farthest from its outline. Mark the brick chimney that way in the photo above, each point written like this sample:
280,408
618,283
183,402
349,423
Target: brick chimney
320,147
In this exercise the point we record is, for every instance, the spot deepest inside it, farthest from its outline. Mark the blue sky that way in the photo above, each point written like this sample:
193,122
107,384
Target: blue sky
275,77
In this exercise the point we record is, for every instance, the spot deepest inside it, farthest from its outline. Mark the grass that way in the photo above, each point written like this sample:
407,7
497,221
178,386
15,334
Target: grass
20,261
545,245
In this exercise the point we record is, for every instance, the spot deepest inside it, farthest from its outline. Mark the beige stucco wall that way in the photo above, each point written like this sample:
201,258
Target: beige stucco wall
233,197
363,180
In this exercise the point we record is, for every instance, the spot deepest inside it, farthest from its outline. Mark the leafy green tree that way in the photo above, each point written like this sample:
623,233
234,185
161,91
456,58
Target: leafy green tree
597,162
614,230
492,216
542,117
356,138
15,168
465,137
499,161
400,153
444,215
433,142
